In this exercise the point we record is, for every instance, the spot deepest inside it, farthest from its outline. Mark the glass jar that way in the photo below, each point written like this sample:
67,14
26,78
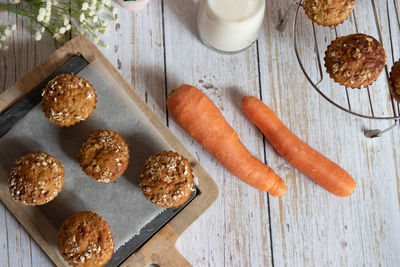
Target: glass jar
230,26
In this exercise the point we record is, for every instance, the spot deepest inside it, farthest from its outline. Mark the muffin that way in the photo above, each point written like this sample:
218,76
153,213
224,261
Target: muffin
36,178
355,60
85,239
394,81
104,156
166,179
68,99
328,12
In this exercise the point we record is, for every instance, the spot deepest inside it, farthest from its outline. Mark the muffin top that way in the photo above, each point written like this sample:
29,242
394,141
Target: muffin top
104,155
166,179
395,81
36,178
85,239
355,60
68,99
328,12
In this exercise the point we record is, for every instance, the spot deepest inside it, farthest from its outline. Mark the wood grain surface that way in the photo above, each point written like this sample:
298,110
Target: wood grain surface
158,48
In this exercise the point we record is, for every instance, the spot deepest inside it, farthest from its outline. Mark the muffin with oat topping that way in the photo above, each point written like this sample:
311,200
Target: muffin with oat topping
328,12
85,240
355,60
36,178
104,156
68,99
166,179
394,81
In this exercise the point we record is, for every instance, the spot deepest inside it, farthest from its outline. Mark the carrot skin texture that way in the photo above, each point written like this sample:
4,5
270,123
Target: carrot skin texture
320,169
195,113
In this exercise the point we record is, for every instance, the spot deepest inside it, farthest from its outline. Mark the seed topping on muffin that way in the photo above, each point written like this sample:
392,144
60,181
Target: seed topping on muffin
328,12
36,178
395,81
166,179
85,239
355,60
68,99
104,156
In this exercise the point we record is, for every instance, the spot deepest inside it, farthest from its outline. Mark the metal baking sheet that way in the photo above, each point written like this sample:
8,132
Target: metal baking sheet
133,219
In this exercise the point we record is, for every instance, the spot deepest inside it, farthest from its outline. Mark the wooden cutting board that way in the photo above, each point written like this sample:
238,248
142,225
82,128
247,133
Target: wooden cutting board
160,249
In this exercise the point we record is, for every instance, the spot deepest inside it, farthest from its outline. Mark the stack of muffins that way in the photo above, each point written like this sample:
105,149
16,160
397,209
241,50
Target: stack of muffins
85,238
355,60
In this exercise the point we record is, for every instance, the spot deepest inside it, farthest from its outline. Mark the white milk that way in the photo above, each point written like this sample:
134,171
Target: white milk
230,25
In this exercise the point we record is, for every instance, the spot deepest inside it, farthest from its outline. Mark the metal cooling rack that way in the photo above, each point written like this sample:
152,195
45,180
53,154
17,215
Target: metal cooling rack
394,106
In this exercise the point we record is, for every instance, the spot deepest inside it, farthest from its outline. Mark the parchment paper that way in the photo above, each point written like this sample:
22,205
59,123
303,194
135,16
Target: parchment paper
120,203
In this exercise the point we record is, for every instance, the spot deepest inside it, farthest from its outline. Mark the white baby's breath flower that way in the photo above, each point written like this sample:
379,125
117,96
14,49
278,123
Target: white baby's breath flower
42,29
7,32
82,17
115,11
62,30
40,18
38,36
107,3
42,11
91,13
65,20
116,20
13,27
95,19
96,39
68,27
85,6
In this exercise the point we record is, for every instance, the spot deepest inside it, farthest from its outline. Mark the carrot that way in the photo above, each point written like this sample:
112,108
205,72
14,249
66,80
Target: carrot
309,161
203,121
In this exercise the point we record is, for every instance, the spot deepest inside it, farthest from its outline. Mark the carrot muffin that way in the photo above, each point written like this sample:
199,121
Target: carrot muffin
395,81
104,156
166,179
85,239
328,12
355,60
36,178
68,99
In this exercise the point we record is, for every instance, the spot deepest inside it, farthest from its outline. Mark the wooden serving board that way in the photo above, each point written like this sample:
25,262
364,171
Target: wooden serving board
160,249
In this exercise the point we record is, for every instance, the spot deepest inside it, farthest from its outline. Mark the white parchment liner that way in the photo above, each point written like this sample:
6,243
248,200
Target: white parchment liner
120,203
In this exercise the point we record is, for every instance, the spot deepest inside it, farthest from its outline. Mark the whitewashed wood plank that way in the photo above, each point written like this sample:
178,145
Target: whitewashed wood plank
3,237
136,50
24,53
310,227
19,253
235,230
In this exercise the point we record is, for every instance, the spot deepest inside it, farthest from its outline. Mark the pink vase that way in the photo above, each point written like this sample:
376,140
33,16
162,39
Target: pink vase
133,5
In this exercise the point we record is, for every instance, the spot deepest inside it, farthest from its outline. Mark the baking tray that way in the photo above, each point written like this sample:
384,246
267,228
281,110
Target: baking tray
159,236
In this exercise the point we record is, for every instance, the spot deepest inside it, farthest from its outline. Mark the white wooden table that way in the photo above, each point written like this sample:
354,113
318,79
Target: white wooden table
157,49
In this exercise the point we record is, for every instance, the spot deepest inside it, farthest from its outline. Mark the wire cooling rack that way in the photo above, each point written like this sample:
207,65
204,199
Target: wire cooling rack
393,23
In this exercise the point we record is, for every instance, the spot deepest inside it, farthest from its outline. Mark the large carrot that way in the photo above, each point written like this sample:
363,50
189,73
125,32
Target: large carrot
203,121
309,161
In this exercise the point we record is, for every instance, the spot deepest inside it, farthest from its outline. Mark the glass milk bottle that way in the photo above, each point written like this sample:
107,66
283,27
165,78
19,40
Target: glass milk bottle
230,26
